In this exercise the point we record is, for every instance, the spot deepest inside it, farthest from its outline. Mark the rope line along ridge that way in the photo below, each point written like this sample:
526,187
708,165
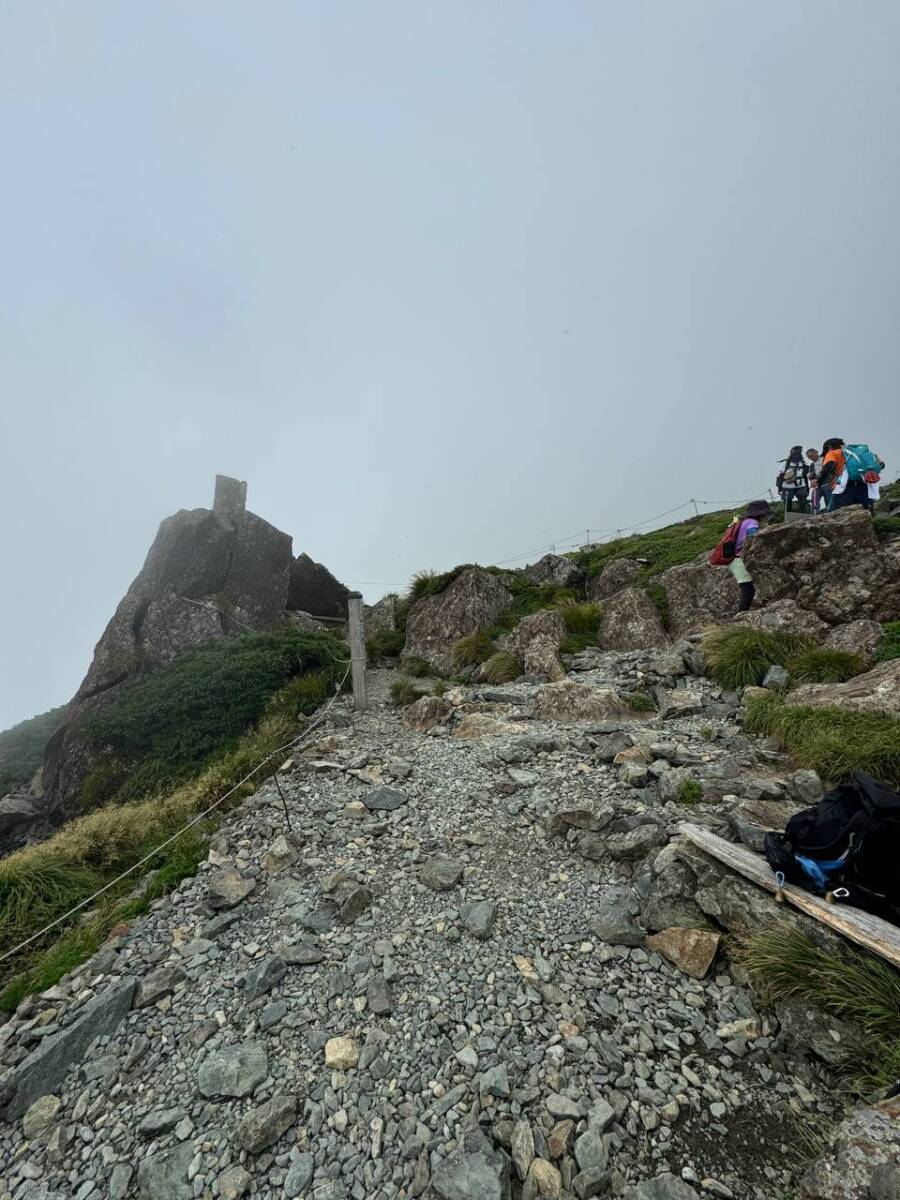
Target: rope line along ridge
279,750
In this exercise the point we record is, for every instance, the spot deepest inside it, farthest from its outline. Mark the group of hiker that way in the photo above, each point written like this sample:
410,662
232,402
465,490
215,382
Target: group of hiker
841,475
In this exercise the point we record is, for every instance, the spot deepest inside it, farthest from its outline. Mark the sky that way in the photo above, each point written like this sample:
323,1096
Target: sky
443,282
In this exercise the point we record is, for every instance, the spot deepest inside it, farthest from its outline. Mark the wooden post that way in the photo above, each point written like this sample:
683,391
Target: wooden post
357,650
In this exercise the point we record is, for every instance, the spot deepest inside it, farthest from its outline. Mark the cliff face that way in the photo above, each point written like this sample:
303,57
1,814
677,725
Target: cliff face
209,573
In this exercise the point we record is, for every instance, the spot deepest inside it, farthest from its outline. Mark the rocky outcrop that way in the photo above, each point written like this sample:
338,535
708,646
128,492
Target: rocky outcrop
832,565
555,570
536,640
470,603
210,573
784,616
860,637
618,574
698,595
382,617
631,621
863,1158
877,691
570,701
313,589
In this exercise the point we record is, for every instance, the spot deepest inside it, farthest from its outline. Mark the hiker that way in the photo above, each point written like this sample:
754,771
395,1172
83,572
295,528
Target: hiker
831,469
731,544
815,464
793,481
757,511
852,472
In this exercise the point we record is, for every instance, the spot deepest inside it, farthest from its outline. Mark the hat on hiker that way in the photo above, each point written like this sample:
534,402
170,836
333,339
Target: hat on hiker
758,509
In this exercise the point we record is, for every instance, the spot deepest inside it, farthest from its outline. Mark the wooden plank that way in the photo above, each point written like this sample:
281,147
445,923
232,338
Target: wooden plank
357,650
881,937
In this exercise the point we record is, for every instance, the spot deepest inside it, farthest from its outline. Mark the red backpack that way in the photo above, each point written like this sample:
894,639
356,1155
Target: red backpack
726,551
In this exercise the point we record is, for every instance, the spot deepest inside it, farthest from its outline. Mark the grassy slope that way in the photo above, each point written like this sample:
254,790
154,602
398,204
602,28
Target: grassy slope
22,748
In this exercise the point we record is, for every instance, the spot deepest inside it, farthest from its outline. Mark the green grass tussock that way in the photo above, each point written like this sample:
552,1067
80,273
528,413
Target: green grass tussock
385,643
502,668
662,548
640,702
739,656
582,625
784,962
831,741
889,646
404,691
416,668
820,665
472,650
689,792
22,748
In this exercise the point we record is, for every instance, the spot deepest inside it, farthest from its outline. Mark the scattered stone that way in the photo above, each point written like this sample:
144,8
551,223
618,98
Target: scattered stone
263,977
159,983
691,950
40,1117
441,874
425,713
476,1171
341,1053
165,1176
547,1178
384,799
263,1126
479,918
776,679
378,996
522,1147
614,917
663,1187
227,888
233,1071
234,1183
495,1082
299,1176
160,1121
570,701
280,855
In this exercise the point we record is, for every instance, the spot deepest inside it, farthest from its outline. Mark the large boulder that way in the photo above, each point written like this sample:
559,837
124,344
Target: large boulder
571,701
877,691
862,1161
833,565
556,571
382,617
473,601
314,590
536,640
861,637
698,595
618,574
631,621
208,574
784,616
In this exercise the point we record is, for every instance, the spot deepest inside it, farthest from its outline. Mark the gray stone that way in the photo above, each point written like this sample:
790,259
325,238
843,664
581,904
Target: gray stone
300,954
663,1187
354,905
378,996
441,874
120,1181
159,983
165,1176
828,1037
264,976
263,1126
479,918
299,1176
556,570
562,1107
40,1117
592,1152
233,1071
522,1147
313,589
43,1071
614,917
233,1183
776,679
615,576
161,1120
227,888
631,621
384,799
471,602
635,844
495,1082
477,1171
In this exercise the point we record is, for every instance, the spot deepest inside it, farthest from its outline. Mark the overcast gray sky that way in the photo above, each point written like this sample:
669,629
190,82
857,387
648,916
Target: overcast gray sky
443,281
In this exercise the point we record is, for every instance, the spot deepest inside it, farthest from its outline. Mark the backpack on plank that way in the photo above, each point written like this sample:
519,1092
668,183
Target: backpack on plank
845,848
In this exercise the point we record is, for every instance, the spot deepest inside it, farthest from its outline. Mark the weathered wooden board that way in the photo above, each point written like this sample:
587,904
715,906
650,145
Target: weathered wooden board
876,935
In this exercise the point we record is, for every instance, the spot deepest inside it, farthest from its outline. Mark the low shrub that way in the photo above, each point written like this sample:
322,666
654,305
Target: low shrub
640,702
821,665
416,668
581,618
440,688
784,962
502,667
301,696
889,646
887,528
689,792
385,643
660,598
404,692
739,656
831,741
471,651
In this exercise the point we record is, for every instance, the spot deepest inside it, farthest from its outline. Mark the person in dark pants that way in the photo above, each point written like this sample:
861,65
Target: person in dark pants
793,481
757,512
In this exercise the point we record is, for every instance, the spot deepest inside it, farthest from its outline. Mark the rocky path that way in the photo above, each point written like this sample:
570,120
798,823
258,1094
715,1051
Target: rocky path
430,987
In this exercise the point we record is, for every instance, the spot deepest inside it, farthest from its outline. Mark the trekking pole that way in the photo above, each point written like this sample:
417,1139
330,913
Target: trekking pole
287,815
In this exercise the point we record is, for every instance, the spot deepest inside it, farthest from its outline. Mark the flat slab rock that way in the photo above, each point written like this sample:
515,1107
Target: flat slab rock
233,1071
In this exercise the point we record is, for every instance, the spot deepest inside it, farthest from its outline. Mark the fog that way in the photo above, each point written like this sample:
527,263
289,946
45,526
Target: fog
446,282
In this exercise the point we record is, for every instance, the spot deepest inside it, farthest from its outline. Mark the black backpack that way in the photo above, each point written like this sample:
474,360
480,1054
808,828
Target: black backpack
846,847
